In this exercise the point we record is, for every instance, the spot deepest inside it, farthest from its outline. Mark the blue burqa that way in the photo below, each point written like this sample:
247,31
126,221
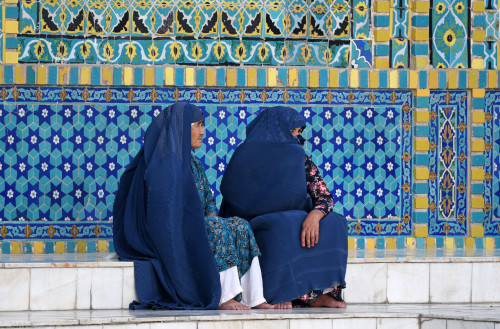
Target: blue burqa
158,220
265,183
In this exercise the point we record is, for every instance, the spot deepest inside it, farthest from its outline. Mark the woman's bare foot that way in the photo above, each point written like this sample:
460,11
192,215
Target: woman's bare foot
264,306
233,305
327,301
283,306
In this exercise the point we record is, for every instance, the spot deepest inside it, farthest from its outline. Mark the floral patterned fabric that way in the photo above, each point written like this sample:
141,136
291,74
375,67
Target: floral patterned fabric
317,189
232,239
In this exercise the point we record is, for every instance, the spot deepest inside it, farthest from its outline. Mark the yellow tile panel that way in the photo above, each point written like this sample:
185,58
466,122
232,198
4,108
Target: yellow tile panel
11,57
41,75
394,79
421,62
422,92
422,203
370,243
489,243
410,243
390,243
478,117
477,63
38,247
169,76
420,6
420,231
374,79
351,243
314,78
381,63
107,76
211,77
149,76
469,243
81,246
190,76
128,76
433,79
477,174
354,80
102,246
252,77
60,247
333,79
292,78
452,79
449,243
492,79
431,243
15,247
413,82
84,75
11,1
381,35
421,145
11,27
477,231
472,79
63,75
478,146
271,77
478,93
231,78
382,6
478,6
477,203
420,34
421,173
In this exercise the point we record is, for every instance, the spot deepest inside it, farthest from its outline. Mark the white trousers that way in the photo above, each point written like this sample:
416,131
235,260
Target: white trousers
250,287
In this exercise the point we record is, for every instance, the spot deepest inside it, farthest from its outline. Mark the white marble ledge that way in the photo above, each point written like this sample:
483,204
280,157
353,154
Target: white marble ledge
460,312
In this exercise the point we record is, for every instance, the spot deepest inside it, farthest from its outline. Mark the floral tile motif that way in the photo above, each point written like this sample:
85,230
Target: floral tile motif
450,36
62,152
448,163
399,53
361,18
361,53
492,165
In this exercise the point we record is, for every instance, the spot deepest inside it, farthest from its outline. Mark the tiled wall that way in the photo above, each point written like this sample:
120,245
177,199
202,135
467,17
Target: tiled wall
401,100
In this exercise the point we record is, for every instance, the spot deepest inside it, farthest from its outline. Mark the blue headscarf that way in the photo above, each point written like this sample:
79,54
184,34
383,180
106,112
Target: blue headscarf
270,160
159,222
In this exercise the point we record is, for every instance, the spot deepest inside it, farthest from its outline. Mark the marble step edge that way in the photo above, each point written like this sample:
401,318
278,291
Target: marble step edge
65,318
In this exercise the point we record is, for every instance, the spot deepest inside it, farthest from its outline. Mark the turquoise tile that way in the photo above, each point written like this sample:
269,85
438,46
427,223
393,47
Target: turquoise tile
8,74
383,79
478,160
96,76
439,242
261,78
420,49
422,102
421,217
459,242
420,21
420,243
49,247
381,21
478,103
422,80
497,243
381,243
283,75
477,188
478,50
91,246
12,12
159,76
179,76
323,78
200,77
477,216
421,188
462,79
52,80
442,79
70,247
403,79
221,77
117,76
483,79
5,248
479,20
479,243
421,131
74,76
138,72
30,75
303,82
421,159
343,79
478,131
11,43
27,249
241,78
381,50
400,242
360,243
363,79
111,246
440,253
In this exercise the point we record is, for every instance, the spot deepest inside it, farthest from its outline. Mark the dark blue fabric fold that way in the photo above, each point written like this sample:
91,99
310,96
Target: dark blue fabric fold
265,183
158,220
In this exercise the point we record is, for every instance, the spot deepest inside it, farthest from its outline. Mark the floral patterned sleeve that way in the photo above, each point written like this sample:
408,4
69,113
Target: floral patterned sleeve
206,195
317,189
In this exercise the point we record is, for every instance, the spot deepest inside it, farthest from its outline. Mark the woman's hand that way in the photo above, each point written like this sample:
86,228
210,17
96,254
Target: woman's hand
310,228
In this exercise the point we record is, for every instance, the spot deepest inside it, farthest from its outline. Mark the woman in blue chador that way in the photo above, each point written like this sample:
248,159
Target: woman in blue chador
271,182
185,257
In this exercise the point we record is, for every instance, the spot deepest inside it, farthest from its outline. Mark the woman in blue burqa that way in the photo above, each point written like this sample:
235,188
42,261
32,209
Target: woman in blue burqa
271,182
185,257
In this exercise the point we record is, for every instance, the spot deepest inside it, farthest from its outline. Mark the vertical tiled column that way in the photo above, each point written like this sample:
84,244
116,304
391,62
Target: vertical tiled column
400,25
480,48
381,33
420,164
419,34
478,174
10,28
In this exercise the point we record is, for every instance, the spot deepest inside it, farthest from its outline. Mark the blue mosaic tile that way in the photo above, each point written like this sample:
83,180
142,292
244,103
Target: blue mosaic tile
361,18
492,164
490,55
401,17
448,163
361,53
399,53
63,151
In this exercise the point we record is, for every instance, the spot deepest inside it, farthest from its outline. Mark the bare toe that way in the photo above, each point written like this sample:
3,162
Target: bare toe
233,305
264,306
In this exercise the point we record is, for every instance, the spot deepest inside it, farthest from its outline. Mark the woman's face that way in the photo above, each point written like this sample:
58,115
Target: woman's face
296,131
197,132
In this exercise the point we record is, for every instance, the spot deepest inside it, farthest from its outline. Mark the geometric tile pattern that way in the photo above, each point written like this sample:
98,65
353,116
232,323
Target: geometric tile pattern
492,165
295,32
399,44
450,34
62,151
448,163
